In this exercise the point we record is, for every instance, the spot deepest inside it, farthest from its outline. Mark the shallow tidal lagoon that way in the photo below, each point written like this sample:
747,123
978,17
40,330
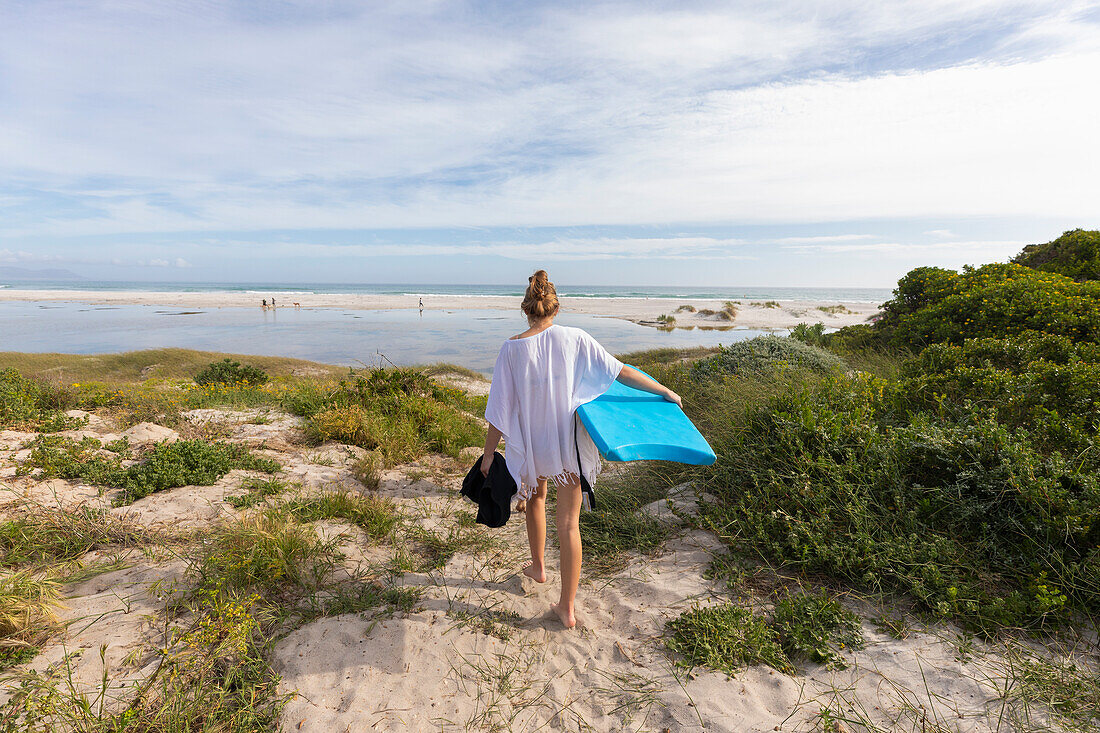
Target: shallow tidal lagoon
469,338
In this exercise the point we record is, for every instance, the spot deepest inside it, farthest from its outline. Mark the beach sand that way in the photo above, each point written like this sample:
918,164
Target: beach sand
479,651
639,310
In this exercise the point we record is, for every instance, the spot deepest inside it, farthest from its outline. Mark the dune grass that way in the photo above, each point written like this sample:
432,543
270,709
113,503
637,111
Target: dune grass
617,527
269,552
256,492
27,617
375,515
44,536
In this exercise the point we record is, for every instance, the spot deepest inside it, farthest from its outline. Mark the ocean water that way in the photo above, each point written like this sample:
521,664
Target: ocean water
857,295
470,338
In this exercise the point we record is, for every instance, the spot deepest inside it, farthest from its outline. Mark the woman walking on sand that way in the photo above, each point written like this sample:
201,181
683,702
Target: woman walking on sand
540,379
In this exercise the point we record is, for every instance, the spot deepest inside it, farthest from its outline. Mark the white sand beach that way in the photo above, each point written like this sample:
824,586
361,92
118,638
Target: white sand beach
780,315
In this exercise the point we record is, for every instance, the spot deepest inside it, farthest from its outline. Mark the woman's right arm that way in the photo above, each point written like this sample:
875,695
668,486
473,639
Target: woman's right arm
631,377
492,440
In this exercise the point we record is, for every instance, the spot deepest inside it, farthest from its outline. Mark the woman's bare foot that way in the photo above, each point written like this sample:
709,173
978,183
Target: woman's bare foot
536,574
567,618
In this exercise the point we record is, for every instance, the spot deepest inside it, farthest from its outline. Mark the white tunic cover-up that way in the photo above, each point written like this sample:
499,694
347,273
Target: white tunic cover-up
538,384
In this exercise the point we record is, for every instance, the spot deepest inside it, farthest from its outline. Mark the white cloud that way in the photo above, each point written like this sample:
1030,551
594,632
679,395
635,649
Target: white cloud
594,115
13,256
823,239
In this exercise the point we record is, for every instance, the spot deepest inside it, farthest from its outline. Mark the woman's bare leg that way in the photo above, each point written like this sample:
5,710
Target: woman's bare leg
536,533
569,541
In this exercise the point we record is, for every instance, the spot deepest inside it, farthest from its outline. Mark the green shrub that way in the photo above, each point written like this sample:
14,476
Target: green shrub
851,339
1075,254
1047,384
816,627
399,413
764,353
228,371
27,404
726,638
993,301
166,466
809,333
967,516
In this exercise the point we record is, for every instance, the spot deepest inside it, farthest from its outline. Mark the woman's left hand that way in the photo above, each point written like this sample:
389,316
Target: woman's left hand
486,463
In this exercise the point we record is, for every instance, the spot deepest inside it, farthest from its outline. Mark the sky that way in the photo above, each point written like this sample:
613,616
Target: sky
622,143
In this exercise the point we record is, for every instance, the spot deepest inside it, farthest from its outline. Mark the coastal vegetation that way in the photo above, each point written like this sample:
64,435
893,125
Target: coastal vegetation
228,371
948,452
165,466
1075,254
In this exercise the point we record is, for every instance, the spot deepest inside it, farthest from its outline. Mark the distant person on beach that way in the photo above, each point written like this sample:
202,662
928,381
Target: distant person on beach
272,302
264,302
421,304
540,379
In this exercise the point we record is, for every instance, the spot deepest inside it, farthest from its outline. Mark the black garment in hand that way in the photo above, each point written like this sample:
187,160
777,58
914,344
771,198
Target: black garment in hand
492,493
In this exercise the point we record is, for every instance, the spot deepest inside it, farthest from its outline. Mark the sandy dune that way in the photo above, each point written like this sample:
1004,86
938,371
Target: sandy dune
479,651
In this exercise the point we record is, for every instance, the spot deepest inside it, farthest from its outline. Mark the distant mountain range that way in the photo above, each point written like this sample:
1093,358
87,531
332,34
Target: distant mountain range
22,273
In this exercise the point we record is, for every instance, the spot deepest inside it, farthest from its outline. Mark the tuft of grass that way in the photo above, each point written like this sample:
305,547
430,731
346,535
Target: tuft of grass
377,516
835,309
434,550
686,309
444,369
27,618
271,553
616,526
816,627
53,535
1039,689
367,470
363,598
666,319
256,492
896,627
725,638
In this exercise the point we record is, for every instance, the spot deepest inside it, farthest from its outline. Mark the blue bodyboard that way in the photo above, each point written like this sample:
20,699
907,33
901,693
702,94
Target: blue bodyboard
627,424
